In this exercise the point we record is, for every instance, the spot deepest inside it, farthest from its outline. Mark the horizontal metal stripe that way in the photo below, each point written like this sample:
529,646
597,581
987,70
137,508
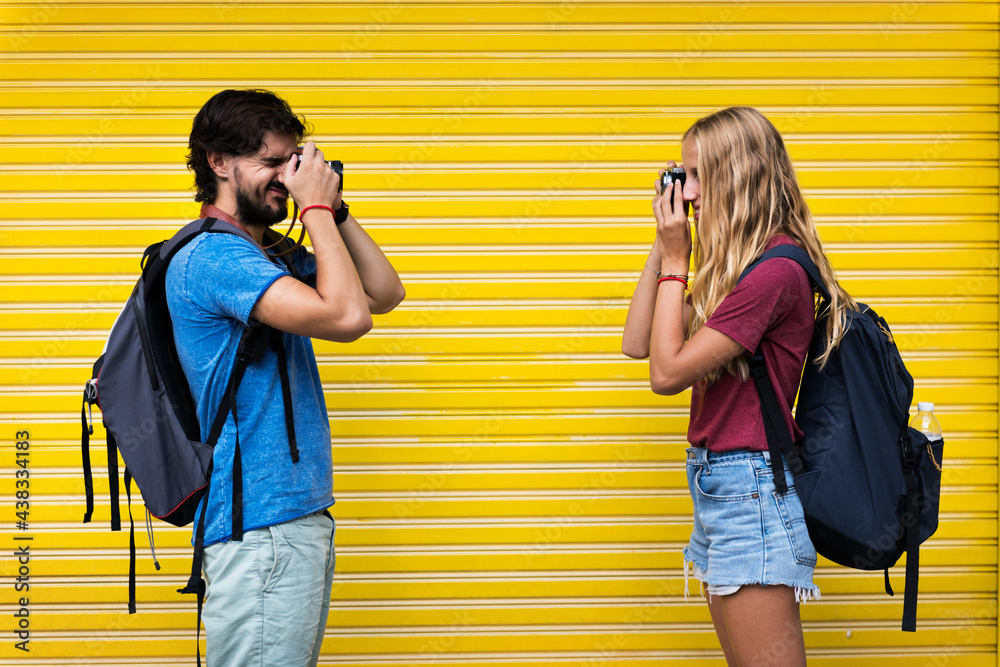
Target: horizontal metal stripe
616,18
72,72
695,649
394,558
609,493
965,472
904,178
488,86
132,60
674,509
435,246
821,138
509,625
459,3
502,194
979,92
657,430
900,305
335,386
628,230
99,150
976,449
517,211
669,571
423,125
359,16
356,400
803,168
814,36
693,658
166,86
391,567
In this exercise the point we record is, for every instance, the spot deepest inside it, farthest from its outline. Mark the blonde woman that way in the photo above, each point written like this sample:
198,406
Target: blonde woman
749,547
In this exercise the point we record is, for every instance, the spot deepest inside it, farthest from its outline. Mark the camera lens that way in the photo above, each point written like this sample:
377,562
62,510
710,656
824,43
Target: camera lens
336,165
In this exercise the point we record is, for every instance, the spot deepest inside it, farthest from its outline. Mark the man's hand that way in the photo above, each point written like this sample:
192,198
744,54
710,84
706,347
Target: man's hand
313,182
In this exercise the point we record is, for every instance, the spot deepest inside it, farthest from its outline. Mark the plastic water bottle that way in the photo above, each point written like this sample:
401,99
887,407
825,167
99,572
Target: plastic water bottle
927,423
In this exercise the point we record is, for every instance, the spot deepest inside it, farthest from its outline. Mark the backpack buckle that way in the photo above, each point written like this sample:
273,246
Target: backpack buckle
89,399
253,343
906,447
90,391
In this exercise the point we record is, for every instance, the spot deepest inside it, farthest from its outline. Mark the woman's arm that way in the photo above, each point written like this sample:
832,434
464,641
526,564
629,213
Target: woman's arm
673,364
639,321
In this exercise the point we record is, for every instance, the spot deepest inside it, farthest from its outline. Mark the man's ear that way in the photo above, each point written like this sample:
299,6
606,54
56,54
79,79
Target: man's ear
220,163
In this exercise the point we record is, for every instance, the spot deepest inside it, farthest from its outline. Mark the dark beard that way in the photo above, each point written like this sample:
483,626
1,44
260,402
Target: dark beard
255,212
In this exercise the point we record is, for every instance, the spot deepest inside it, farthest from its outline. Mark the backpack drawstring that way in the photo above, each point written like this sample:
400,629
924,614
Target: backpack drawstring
149,532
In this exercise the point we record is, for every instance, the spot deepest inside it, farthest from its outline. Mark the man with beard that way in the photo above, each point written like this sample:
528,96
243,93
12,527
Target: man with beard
268,593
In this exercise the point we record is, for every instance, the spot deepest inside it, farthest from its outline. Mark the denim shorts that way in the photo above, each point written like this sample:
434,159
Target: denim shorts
744,531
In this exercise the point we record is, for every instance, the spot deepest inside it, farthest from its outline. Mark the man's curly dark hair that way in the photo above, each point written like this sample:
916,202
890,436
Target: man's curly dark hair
234,122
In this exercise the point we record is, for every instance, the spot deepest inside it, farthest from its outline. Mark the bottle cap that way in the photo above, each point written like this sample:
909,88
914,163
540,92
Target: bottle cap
925,407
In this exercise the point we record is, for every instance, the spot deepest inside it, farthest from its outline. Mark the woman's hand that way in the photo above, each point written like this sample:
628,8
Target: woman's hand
673,231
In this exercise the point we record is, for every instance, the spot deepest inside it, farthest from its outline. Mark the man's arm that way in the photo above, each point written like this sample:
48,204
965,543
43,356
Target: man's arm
379,280
337,308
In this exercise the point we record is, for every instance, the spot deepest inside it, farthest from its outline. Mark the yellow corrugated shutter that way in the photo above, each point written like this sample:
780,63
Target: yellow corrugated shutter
509,490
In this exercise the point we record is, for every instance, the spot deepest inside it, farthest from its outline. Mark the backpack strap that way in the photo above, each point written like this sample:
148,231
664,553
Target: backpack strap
131,544
286,393
87,430
909,523
779,438
116,517
798,255
196,584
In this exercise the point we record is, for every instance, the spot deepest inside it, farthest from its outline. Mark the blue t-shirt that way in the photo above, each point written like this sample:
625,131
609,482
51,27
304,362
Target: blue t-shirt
212,285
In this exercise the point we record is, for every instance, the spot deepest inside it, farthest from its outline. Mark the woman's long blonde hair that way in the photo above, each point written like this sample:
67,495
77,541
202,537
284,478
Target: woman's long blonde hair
749,194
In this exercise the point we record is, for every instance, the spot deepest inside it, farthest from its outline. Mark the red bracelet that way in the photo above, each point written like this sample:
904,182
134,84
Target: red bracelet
303,211
677,278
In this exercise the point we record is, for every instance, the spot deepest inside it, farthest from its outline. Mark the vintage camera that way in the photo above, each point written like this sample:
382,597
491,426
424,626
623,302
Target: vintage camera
336,165
671,177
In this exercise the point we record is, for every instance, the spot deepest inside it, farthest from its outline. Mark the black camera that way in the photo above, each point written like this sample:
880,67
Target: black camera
336,165
671,177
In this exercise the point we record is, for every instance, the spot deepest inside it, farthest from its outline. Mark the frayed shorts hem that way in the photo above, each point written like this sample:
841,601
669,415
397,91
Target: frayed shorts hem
803,594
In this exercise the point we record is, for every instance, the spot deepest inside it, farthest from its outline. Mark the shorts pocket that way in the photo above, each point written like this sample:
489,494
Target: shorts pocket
271,559
728,483
794,520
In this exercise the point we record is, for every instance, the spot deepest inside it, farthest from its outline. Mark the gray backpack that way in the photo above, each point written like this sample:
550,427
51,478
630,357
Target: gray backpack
150,416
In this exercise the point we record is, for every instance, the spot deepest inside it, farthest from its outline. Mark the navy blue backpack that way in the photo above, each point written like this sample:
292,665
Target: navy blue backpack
150,417
869,484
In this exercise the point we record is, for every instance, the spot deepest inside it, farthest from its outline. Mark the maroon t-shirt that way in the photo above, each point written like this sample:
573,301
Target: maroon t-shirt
772,308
